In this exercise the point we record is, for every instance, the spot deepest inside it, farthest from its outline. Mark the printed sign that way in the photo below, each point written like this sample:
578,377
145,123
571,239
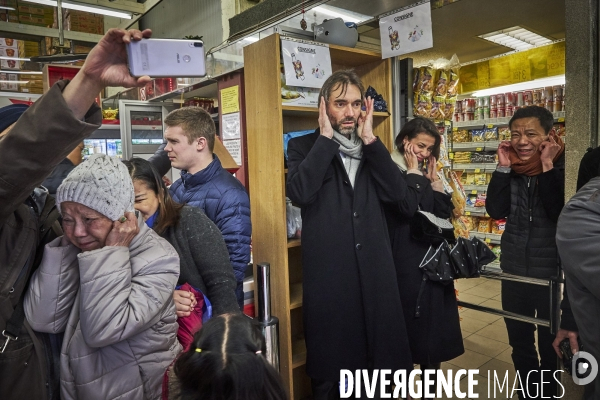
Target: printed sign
306,65
406,31
235,149
230,126
230,100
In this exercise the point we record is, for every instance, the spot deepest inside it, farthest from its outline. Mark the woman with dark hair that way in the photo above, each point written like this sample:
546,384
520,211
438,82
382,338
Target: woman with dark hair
434,332
206,282
227,362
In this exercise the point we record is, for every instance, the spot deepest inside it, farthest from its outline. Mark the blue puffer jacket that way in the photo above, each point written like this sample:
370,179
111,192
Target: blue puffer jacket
224,200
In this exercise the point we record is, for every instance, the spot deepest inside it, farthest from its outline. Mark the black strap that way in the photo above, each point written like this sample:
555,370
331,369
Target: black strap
14,324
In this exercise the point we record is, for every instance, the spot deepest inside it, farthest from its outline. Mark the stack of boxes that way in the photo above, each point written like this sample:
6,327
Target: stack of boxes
9,15
35,14
85,22
9,48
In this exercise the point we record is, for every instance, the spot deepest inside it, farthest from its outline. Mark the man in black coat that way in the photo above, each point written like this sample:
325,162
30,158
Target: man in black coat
340,175
527,189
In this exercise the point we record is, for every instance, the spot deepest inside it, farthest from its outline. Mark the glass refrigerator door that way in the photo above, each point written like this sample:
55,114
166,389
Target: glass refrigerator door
142,127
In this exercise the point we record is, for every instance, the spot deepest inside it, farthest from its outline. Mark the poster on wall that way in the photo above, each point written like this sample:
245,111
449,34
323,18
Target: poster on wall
406,31
305,64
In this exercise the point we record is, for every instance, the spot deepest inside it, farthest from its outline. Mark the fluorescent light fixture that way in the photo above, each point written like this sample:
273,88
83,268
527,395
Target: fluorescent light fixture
7,8
21,82
536,83
336,12
250,39
23,72
86,8
14,58
516,38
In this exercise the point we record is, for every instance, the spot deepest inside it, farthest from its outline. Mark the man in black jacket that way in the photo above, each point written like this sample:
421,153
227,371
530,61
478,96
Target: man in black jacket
527,189
340,175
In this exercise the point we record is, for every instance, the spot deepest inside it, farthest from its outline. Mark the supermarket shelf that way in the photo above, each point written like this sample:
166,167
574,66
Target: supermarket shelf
293,243
558,117
146,127
477,188
491,238
295,295
476,167
492,145
476,211
296,111
298,353
493,267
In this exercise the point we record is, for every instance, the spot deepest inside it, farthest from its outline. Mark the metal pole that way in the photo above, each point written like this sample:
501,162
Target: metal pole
59,16
270,324
505,314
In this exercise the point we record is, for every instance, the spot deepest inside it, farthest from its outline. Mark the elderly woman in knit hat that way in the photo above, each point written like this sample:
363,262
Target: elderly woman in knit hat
108,285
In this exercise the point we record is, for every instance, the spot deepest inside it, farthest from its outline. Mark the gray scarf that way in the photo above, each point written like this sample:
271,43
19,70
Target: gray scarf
352,153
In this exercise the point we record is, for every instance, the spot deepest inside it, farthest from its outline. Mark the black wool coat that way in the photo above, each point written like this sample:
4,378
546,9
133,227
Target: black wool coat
351,304
434,336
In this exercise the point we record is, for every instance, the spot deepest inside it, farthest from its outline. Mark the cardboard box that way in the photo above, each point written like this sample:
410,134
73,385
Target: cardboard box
31,19
26,9
6,84
10,64
8,3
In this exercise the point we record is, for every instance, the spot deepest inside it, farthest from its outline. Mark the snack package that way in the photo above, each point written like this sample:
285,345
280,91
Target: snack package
452,89
490,134
480,201
416,79
443,161
497,251
423,106
479,179
469,179
441,85
488,178
437,108
560,129
485,225
483,157
498,226
461,136
471,200
462,157
472,223
504,133
460,228
477,135
449,106
425,80
458,195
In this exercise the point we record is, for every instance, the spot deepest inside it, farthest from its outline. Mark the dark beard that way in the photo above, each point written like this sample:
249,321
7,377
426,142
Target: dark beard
344,131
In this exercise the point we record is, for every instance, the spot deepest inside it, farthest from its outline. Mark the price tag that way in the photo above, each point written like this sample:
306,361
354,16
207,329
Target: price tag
479,149
473,191
447,123
490,126
488,240
561,119
477,170
451,156
467,212
487,215
455,129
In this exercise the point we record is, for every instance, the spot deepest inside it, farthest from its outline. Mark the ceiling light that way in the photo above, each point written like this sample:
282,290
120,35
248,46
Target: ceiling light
20,82
250,39
516,38
347,16
23,72
81,7
14,58
7,8
536,83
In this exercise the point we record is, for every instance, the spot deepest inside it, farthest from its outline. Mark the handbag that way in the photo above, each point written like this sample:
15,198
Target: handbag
426,227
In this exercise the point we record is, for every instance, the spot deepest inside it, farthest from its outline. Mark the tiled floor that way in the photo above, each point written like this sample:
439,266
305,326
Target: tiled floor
484,337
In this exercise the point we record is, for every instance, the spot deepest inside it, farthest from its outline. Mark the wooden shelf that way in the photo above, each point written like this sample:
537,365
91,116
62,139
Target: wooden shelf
293,243
297,111
295,295
298,353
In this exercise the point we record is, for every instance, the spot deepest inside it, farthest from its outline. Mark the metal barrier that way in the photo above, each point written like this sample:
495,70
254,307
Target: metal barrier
555,299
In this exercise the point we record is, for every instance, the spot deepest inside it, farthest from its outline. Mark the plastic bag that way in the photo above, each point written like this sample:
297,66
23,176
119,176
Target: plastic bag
293,219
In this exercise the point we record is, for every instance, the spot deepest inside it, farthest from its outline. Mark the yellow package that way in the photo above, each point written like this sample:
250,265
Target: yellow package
470,179
480,179
485,225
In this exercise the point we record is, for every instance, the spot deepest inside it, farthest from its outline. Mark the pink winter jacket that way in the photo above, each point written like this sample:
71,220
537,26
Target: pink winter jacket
115,306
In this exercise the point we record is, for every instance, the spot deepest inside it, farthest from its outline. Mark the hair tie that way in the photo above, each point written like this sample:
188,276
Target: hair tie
198,350
259,352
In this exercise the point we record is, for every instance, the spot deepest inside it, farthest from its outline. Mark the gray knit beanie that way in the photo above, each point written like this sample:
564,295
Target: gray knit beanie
101,183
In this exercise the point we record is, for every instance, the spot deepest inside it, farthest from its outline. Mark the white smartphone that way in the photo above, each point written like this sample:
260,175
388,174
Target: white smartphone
166,58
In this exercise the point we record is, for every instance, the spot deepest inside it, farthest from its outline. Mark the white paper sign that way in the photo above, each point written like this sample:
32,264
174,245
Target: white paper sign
306,65
406,31
235,149
230,126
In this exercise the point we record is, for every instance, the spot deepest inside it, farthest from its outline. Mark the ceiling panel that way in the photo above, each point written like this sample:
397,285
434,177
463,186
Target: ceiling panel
457,25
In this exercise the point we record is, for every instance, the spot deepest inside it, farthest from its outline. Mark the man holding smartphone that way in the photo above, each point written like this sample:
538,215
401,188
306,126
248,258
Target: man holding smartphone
30,148
527,189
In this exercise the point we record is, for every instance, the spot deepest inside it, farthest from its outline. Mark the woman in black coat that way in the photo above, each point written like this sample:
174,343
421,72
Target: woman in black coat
434,333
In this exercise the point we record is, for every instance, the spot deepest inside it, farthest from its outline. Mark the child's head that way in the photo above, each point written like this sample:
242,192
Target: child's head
226,361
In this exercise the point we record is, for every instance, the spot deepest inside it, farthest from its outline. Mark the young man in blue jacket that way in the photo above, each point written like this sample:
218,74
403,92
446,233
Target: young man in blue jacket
190,140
